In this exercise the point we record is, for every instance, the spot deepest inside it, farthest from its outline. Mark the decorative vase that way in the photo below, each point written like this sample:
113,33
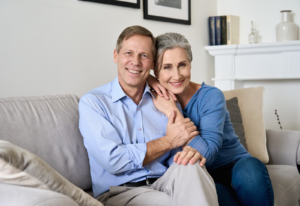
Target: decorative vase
252,36
286,30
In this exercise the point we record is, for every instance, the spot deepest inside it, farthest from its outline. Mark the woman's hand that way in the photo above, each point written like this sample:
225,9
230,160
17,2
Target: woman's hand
189,155
165,106
159,89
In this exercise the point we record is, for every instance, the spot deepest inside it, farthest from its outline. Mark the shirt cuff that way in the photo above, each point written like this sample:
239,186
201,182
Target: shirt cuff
136,153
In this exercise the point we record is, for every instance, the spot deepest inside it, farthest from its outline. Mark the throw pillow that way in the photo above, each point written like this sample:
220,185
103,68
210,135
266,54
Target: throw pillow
236,119
251,106
20,167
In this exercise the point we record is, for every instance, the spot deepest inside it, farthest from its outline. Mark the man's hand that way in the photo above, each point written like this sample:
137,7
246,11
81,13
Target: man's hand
180,132
189,155
159,89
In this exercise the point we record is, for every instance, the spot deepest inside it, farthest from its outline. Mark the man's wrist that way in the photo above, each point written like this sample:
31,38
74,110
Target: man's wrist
166,143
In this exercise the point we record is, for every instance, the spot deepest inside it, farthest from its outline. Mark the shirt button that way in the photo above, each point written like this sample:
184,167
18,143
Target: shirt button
140,129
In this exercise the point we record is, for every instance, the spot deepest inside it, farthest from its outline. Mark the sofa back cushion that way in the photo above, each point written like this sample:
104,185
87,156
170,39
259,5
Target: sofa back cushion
250,101
236,119
48,127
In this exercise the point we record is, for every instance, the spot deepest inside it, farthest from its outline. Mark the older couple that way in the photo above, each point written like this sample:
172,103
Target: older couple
146,149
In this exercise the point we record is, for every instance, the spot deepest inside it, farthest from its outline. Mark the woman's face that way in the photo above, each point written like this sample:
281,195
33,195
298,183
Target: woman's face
175,71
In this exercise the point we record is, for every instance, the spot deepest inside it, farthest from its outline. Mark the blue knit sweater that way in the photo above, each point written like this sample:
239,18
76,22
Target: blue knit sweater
217,141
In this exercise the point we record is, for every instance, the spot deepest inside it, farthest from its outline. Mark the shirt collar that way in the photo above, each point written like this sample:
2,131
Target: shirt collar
148,90
118,93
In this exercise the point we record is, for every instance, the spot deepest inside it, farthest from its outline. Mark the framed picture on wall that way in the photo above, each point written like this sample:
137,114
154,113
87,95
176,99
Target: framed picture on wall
126,3
175,11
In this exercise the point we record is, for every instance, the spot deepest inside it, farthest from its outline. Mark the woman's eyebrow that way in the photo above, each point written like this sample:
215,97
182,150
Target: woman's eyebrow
182,62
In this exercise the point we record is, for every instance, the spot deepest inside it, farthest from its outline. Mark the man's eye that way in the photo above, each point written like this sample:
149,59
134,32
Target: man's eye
128,53
182,65
144,55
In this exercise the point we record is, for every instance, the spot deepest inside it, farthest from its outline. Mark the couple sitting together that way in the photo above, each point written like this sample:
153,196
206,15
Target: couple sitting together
175,146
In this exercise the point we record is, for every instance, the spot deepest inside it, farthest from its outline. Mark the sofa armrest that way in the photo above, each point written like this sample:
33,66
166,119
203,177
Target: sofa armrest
283,147
12,195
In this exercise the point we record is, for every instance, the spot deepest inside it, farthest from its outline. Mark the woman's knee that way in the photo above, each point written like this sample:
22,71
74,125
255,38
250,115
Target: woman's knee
249,171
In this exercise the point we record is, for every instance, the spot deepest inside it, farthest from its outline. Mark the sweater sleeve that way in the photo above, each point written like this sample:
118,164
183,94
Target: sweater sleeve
212,110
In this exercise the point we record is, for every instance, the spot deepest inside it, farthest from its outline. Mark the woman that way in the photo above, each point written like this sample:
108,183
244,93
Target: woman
240,178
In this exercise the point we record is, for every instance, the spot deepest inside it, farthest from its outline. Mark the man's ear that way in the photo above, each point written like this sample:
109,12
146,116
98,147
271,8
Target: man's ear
116,56
155,73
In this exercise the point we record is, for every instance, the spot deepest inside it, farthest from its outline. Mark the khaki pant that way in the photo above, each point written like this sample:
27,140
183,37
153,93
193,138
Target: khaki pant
181,185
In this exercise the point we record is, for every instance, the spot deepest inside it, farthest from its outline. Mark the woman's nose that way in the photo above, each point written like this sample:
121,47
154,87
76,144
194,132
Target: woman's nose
176,74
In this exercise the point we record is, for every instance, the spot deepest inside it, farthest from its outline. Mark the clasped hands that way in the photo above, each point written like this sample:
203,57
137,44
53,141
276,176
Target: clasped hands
180,130
179,134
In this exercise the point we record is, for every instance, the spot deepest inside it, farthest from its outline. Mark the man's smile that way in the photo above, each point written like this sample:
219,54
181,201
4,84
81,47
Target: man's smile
133,71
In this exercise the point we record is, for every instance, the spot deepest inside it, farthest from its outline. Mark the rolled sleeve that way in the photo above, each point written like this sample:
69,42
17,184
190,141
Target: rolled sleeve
104,142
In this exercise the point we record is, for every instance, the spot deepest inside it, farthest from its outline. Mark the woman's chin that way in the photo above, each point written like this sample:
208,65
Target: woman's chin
175,90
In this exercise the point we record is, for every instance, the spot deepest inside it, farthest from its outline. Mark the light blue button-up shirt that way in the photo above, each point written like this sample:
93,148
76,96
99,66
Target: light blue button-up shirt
115,131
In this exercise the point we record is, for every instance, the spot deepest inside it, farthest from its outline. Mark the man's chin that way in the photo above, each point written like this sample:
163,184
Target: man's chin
136,84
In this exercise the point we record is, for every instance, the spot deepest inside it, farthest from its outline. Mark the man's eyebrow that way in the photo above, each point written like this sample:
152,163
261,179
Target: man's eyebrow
145,53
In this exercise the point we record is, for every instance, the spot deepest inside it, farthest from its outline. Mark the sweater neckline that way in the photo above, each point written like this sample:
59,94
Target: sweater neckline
194,96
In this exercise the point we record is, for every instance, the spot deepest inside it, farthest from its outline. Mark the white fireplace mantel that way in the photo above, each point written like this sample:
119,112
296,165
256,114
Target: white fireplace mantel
235,64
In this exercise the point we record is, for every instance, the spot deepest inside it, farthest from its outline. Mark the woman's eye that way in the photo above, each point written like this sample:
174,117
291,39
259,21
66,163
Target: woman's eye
166,67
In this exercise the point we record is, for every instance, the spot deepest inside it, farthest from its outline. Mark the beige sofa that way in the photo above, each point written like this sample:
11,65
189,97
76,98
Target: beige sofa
47,126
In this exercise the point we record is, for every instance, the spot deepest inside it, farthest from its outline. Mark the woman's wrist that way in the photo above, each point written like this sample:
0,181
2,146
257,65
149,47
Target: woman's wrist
178,115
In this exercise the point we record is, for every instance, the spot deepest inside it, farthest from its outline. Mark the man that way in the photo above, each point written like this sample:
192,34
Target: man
130,143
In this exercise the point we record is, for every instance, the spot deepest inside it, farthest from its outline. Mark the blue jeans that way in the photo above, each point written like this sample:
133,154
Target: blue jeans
244,182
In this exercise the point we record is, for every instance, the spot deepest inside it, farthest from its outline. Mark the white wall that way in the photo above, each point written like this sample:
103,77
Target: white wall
283,95
265,15
66,46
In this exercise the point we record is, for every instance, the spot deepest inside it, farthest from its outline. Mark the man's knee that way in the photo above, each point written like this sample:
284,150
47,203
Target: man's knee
190,169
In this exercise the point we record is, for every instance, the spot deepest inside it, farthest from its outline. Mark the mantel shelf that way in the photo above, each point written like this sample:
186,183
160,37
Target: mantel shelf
240,49
235,64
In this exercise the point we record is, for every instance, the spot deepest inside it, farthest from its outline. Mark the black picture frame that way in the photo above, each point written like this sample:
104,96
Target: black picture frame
165,19
118,3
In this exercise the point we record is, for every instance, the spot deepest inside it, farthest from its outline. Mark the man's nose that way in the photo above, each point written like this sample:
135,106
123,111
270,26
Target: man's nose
136,60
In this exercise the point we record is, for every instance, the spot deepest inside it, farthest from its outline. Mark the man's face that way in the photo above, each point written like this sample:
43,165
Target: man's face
134,61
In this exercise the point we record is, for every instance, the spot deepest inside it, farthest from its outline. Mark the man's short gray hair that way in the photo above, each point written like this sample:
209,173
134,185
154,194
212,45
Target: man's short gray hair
170,41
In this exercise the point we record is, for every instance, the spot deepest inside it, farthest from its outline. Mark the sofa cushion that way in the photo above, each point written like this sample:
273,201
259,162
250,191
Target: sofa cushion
22,168
286,184
48,127
251,106
24,196
236,119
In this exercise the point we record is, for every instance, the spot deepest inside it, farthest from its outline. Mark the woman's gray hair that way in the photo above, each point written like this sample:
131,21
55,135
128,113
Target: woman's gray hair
170,41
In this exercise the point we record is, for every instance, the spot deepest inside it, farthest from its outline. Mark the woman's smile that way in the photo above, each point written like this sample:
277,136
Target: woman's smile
175,72
177,84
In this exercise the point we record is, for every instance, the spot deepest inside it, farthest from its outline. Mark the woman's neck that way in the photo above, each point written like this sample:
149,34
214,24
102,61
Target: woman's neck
187,94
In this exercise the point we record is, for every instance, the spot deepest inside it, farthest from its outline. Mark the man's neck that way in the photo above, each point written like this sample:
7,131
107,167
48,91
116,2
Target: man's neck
135,93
